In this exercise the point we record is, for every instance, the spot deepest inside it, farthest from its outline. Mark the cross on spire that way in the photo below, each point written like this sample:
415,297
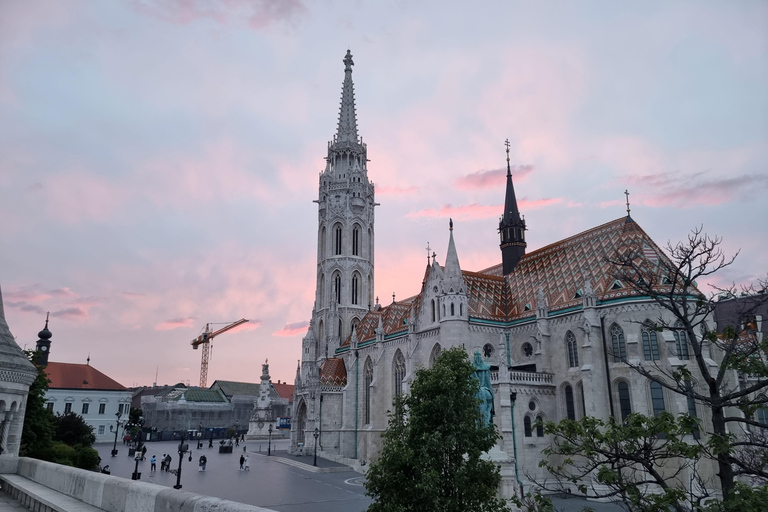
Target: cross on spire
626,193
429,249
506,143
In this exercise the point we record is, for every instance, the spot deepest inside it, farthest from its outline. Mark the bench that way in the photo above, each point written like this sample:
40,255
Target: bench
40,498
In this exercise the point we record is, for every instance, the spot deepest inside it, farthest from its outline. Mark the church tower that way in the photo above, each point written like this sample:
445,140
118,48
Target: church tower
511,227
345,237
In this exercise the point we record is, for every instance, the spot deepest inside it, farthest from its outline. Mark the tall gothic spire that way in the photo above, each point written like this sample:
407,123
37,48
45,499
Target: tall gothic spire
512,226
347,130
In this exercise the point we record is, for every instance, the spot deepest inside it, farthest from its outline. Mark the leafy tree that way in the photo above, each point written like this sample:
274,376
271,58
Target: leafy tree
431,457
37,432
73,430
726,377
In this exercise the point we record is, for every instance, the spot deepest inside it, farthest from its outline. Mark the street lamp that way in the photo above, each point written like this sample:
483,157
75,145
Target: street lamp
316,434
182,450
269,446
237,427
136,475
200,438
117,429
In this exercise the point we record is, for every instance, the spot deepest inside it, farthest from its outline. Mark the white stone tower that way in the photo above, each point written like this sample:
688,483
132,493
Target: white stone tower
344,237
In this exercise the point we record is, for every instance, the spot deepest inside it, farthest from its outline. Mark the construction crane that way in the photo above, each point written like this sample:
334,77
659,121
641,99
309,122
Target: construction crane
205,340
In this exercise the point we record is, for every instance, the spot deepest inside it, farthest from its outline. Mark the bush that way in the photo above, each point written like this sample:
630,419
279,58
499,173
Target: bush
60,453
86,457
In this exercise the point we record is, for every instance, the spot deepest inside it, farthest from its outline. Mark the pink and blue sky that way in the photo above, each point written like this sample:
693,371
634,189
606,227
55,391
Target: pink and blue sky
158,159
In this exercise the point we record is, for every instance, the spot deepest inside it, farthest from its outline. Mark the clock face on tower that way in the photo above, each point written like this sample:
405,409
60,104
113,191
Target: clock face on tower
44,348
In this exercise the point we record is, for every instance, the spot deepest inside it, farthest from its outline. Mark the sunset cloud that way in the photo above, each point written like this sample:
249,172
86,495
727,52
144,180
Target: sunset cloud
695,189
492,179
256,13
293,329
75,313
476,211
395,191
26,307
176,323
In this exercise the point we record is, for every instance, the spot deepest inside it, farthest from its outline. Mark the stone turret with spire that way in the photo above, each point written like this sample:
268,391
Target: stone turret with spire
511,226
453,299
43,346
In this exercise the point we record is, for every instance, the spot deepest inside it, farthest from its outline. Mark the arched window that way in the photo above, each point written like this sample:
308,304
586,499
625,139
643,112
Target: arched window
443,310
370,246
355,281
356,240
337,287
681,340
539,426
321,290
353,325
573,354
434,354
625,403
399,372
320,338
619,346
461,309
433,310
337,239
657,398
322,244
650,343
527,426
301,422
368,372
487,350
370,291
452,313
341,329
570,408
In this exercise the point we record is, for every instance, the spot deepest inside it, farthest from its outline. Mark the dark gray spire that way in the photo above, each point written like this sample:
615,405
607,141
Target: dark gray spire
511,226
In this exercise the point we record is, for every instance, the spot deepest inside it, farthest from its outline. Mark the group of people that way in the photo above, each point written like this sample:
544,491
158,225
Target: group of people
245,465
165,463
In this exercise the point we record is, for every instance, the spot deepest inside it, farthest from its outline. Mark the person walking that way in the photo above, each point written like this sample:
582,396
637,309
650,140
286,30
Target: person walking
143,451
205,461
153,464
200,463
168,460
247,464
237,441
242,461
210,442
162,463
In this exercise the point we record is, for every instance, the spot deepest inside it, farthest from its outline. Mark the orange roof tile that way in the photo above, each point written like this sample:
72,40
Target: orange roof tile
333,373
284,390
79,376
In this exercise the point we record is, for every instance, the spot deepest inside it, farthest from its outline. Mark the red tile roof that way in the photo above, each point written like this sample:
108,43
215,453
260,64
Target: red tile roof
284,390
79,376
333,373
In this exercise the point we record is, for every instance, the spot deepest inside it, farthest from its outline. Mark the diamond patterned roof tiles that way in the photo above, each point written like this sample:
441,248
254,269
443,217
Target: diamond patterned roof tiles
333,373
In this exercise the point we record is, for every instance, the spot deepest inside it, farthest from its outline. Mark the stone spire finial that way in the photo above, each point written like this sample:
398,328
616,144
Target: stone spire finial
511,226
347,130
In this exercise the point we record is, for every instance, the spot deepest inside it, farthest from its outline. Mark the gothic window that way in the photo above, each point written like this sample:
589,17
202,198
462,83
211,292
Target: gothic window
322,243
443,310
356,240
573,354
650,342
433,310
762,416
353,325
320,339
337,287
657,398
370,291
625,403
355,281
368,372
399,373
301,422
337,239
321,288
527,426
681,341
539,426
619,346
487,350
370,246
461,309
527,349
452,313
434,354
570,408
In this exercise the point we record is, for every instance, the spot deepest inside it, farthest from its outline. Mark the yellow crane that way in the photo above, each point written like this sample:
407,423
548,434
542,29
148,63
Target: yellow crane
205,340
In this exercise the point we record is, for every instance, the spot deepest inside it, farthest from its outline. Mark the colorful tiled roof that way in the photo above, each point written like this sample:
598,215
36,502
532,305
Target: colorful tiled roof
231,388
198,394
79,376
333,373
394,319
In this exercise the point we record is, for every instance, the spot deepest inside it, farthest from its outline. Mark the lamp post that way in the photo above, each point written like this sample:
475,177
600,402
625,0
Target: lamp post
182,450
237,427
136,475
200,438
117,429
269,446
316,434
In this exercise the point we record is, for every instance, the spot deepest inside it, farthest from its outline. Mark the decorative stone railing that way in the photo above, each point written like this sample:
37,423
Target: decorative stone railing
525,377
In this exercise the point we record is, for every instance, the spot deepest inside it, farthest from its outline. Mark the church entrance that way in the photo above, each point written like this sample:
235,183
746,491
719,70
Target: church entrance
301,424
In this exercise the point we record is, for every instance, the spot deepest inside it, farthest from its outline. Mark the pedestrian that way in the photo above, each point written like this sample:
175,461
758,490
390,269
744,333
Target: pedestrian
168,460
162,463
237,441
210,442
143,451
242,437
247,464
200,463
205,461
153,463
242,461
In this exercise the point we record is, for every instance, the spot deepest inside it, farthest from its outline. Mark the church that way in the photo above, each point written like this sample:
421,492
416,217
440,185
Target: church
553,324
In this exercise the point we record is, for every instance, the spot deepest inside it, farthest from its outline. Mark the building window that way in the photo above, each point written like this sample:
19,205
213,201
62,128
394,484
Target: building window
49,406
102,408
619,346
657,398
487,350
86,406
762,416
573,354
625,403
368,372
67,407
570,408
356,241
681,341
527,426
650,342
399,364
355,281
337,287
433,310
452,313
321,288
527,349
539,426
337,247
101,429
120,408
322,244
434,354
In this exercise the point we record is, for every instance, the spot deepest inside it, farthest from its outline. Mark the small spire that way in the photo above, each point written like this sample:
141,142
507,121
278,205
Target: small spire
47,314
88,359
450,224
509,169
347,129
428,250
393,297
626,193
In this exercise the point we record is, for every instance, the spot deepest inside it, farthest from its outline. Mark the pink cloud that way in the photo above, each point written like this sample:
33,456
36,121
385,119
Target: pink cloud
74,313
26,307
257,13
293,329
63,293
491,179
478,211
395,191
176,323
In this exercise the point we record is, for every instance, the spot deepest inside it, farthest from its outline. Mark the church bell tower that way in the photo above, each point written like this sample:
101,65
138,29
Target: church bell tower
511,227
345,236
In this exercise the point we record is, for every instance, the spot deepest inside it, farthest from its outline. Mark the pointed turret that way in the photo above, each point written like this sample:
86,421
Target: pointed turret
347,130
511,227
452,267
453,299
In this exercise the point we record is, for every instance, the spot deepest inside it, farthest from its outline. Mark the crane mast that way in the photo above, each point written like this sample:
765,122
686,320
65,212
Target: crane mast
205,340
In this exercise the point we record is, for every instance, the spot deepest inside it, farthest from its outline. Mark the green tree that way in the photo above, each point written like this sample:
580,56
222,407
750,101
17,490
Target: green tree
72,429
37,432
431,458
